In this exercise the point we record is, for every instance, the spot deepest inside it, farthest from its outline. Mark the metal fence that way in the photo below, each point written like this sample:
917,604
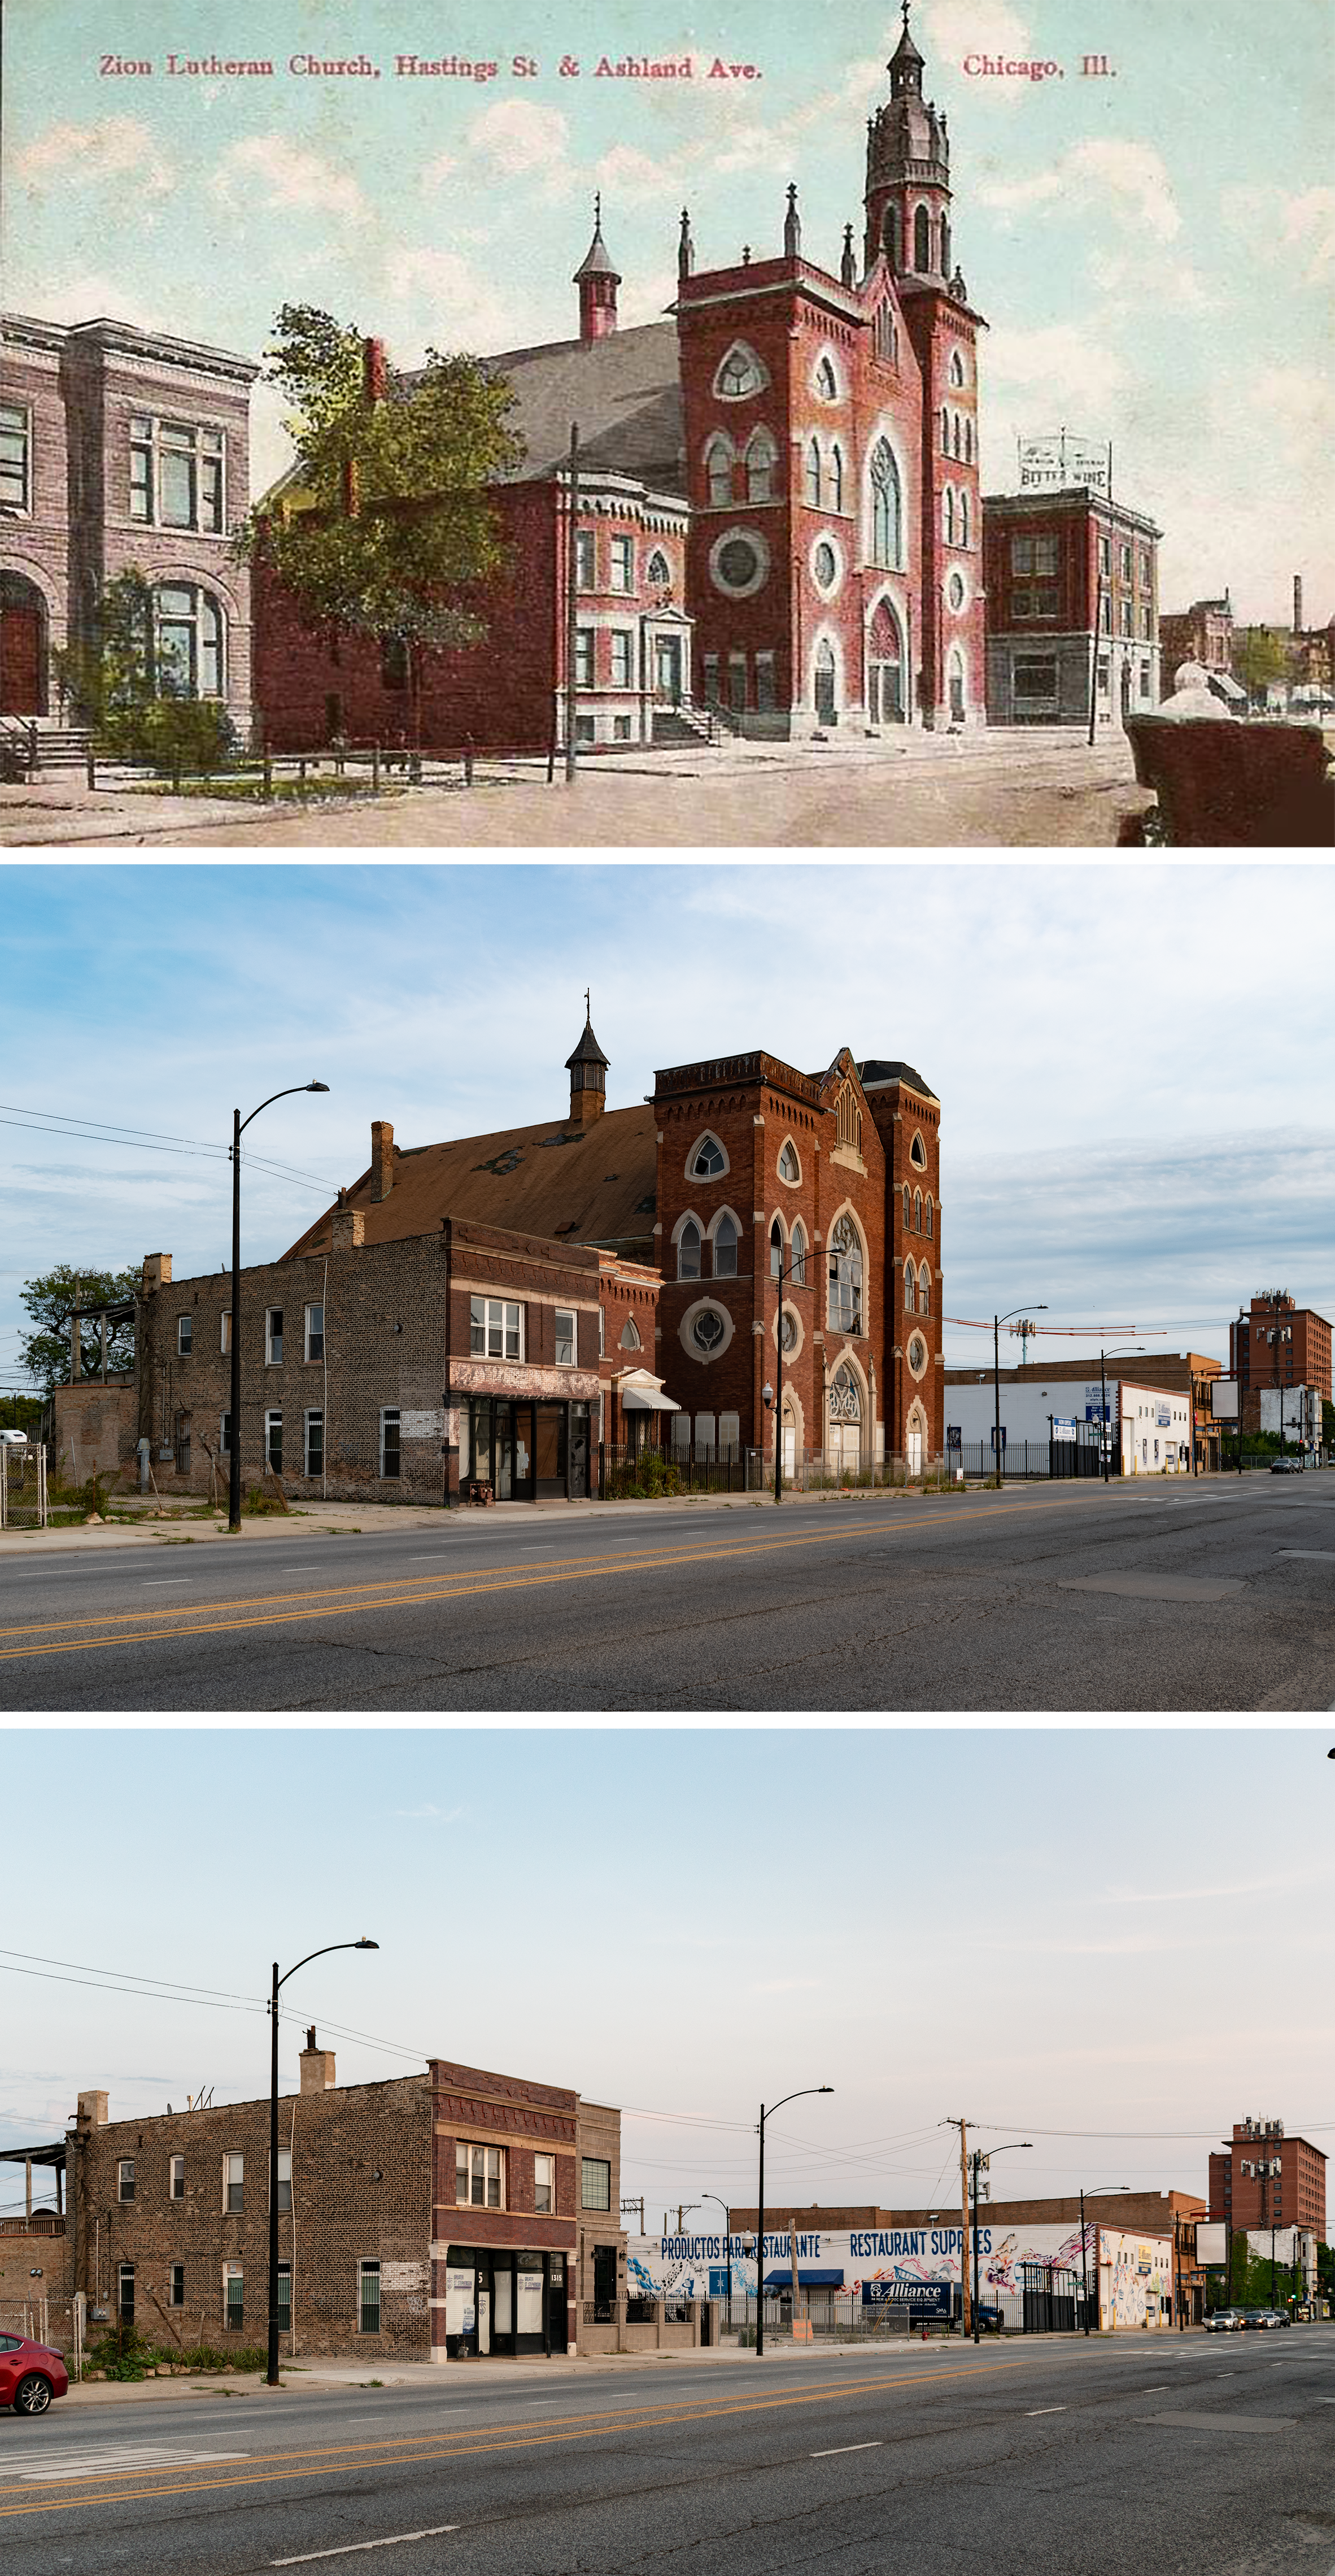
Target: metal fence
22,1485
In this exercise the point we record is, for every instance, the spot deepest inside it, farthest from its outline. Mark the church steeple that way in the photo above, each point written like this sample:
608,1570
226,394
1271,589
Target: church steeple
587,1069
597,281
908,174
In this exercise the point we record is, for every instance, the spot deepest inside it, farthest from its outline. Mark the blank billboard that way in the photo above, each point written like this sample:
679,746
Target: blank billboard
1224,1399
1211,2241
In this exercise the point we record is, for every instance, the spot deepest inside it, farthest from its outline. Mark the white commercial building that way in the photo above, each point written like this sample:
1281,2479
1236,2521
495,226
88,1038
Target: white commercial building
1156,1430
1155,1422
916,2267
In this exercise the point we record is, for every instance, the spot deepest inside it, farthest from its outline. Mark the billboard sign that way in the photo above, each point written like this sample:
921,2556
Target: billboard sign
1211,2241
896,2261
1064,462
1224,1399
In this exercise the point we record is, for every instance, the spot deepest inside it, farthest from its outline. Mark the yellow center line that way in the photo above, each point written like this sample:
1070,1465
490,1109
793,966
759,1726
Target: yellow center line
280,1609
405,2450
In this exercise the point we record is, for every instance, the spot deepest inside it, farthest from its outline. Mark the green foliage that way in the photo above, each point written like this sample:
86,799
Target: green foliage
185,733
644,1479
124,2353
1325,2268
51,1301
394,529
21,1413
113,685
1259,659
1327,1424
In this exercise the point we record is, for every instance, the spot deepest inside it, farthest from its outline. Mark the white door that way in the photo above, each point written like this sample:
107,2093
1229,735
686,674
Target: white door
484,2320
915,1453
789,1449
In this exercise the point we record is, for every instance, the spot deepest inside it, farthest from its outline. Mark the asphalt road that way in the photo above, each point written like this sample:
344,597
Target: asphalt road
1168,2456
1217,1594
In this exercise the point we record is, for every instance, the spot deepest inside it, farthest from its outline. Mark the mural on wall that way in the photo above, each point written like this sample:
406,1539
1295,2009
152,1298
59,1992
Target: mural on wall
1135,2281
701,2267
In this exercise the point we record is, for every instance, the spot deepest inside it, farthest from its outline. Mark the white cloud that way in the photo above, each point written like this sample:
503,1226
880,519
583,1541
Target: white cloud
84,295
520,139
954,28
1124,179
445,302
445,166
1120,276
269,172
77,156
1308,222
1067,364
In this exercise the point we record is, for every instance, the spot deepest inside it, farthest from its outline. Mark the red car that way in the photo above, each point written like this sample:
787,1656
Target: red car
30,2375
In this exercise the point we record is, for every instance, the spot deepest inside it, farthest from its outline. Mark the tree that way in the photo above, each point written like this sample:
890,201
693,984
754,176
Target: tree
52,1300
393,531
135,709
1259,659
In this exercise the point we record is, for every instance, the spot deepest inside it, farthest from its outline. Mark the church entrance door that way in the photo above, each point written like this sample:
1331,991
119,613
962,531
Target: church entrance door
826,711
885,668
667,669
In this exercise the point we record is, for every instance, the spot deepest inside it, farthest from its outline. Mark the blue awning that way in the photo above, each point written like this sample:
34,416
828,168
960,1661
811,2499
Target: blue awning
805,2280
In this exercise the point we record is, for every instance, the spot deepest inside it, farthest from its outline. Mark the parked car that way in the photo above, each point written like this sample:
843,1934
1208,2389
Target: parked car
31,2374
1224,2321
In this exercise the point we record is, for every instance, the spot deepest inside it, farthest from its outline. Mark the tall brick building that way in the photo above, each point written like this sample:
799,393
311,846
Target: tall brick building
1279,1343
1072,591
484,1310
1261,2178
122,449
778,507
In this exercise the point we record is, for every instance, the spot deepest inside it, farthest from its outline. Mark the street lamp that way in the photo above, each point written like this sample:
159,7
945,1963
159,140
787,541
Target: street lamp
997,1322
278,1981
978,2160
765,2115
239,1124
1120,1350
727,2239
1103,2187
797,1272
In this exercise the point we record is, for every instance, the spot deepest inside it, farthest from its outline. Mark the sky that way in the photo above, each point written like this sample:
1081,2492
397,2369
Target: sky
1152,246
1135,1063
1111,1945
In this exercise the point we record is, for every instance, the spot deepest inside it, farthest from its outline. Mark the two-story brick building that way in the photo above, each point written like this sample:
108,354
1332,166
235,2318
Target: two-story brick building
122,450
452,2211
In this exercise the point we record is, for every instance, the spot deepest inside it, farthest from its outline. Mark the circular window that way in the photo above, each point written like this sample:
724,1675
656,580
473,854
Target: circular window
739,562
707,1330
955,590
917,1355
824,564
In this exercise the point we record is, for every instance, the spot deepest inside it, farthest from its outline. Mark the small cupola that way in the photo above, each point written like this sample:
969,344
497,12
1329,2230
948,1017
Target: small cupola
597,281
587,1069
906,63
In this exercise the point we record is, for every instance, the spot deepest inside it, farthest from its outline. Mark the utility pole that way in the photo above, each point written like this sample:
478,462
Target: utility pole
965,2316
572,601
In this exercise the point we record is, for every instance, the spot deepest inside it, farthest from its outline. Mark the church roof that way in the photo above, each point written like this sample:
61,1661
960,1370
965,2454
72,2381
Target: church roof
879,1069
591,1185
623,390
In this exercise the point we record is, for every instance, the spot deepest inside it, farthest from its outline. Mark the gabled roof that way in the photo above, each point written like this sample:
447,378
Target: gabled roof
590,1185
624,391
879,1069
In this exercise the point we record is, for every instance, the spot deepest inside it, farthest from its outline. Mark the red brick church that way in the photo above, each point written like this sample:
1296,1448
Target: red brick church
777,514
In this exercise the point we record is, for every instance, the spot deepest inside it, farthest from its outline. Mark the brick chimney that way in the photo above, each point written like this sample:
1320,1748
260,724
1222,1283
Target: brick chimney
373,370
92,2111
157,1270
317,2066
382,1160
347,1232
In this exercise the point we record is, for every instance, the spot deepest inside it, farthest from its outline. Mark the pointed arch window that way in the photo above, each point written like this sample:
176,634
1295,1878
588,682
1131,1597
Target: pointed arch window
707,1162
798,1252
688,1250
948,514
918,1153
761,459
945,430
890,235
908,1287
740,373
924,1289
812,476
922,241
836,477
964,518
725,1249
658,571
630,1335
959,433
845,1396
789,1167
845,1278
887,508
968,438
827,383
908,1208
956,368
775,1249
917,1211
927,1217
718,472
945,245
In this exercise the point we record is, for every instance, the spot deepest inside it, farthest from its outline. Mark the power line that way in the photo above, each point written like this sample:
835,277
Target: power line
143,1142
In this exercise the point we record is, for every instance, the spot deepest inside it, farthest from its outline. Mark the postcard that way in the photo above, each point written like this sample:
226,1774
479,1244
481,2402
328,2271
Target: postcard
576,426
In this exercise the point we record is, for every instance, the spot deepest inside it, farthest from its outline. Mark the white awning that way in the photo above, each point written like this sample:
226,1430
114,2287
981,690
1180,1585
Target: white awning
644,1399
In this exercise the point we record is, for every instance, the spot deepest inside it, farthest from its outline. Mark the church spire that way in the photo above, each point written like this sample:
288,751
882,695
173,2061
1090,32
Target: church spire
792,225
597,281
908,174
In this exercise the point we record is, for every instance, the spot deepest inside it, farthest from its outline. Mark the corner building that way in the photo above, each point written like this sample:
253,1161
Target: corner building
805,1206
778,522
